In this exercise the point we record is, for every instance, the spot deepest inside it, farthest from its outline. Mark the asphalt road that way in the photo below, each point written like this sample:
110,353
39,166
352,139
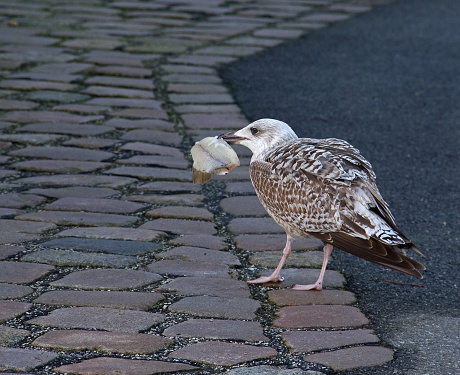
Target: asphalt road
388,82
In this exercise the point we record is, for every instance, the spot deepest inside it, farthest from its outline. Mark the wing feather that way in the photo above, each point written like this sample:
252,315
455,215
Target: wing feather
326,188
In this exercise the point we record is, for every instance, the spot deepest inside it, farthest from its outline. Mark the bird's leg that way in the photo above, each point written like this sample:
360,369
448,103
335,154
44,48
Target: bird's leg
276,276
319,283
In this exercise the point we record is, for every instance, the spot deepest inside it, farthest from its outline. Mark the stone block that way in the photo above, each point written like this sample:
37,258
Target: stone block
12,336
179,226
308,341
10,309
113,299
264,242
322,316
19,359
113,233
70,258
8,291
79,218
188,268
22,272
223,353
350,358
217,307
207,286
290,297
201,240
199,254
101,318
117,342
107,279
218,330
107,365
180,212
104,246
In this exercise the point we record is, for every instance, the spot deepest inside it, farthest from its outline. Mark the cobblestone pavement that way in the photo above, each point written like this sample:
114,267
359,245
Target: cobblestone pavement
112,261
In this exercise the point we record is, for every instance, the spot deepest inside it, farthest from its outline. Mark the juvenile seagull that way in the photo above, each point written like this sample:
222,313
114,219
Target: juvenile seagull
322,188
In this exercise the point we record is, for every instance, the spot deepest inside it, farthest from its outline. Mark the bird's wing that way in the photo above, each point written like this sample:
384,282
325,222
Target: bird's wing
290,184
324,185
325,188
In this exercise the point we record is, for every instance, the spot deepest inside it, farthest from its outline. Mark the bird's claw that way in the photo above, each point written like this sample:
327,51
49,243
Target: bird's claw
316,286
267,279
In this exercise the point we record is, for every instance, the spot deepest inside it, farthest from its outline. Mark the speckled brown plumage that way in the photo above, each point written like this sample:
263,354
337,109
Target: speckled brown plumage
324,188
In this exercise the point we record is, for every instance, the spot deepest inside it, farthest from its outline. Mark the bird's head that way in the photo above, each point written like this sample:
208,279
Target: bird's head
261,135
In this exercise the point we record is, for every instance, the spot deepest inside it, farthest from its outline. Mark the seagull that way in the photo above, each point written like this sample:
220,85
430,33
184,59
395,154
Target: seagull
326,189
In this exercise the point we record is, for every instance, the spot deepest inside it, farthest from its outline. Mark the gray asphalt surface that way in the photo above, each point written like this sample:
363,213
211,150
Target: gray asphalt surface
388,82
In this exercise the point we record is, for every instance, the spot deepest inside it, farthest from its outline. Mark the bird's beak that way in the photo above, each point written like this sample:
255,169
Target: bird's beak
232,138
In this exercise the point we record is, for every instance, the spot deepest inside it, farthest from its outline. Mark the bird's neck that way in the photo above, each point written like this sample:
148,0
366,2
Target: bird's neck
261,154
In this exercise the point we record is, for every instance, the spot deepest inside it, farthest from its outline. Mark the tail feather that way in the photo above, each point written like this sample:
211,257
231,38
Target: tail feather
391,256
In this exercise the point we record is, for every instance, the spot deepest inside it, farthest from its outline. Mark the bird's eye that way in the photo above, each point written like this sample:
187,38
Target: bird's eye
254,131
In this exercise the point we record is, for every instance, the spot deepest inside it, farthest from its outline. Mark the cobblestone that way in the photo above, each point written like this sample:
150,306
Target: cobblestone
199,254
324,297
118,300
270,370
75,180
66,128
180,212
217,307
222,353
104,246
47,116
99,102
215,286
16,200
180,226
65,258
64,153
113,233
254,225
152,173
58,166
107,279
30,138
106,366
116,342
218,329
153,136
74,192
160,160
201,240
173,199
180,267
93,205
333,316
10,309
346,359
14,291
18,359
22,272
12,336
107,319
309,341
154,124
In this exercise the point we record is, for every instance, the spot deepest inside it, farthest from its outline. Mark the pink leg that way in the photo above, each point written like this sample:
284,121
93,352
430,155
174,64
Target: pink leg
276,276
319,283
